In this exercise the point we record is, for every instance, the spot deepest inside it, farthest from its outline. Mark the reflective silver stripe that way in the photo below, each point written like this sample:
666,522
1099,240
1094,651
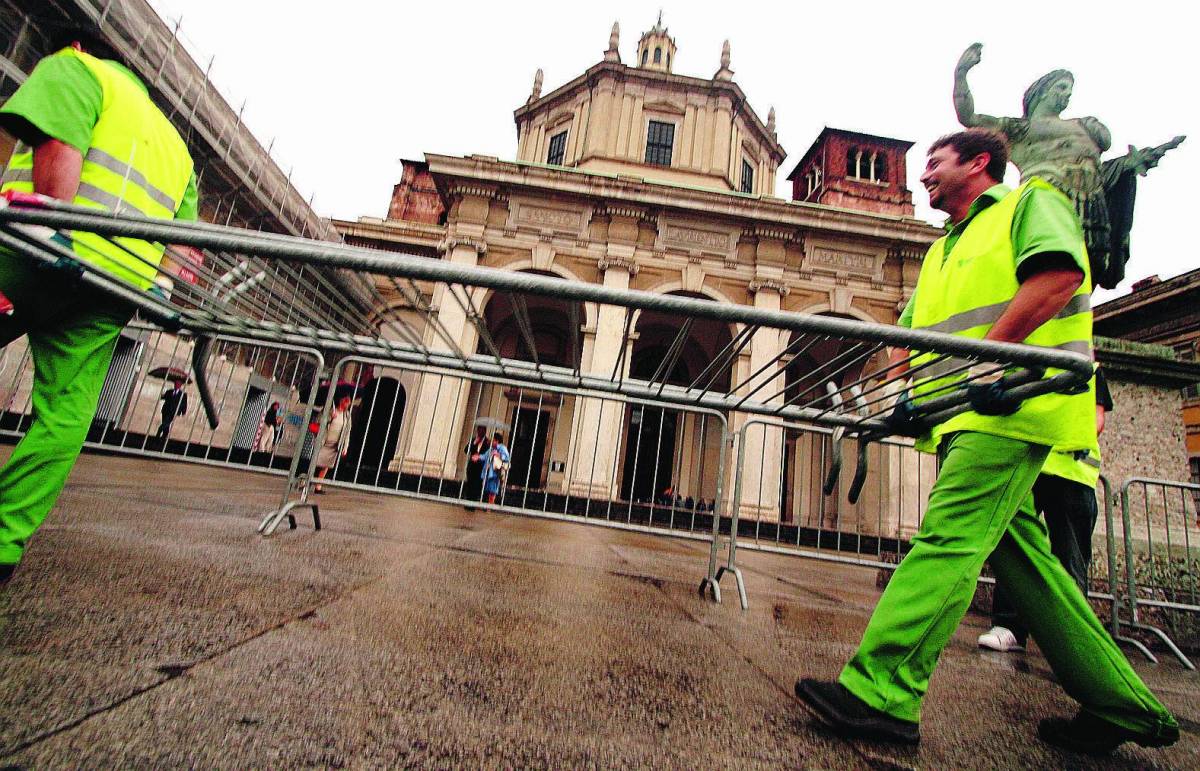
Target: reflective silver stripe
951,363
127,172
1090,461
1080,303
990,314
107,199
943,367
17,175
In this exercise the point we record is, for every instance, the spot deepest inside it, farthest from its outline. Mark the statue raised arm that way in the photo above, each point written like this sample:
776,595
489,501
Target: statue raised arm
964,103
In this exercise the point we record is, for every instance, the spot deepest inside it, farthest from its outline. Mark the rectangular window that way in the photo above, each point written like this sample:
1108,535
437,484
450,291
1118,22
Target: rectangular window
558,149
747,177
660,139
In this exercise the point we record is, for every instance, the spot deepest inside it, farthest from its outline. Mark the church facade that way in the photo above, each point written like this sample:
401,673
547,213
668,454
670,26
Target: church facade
634,176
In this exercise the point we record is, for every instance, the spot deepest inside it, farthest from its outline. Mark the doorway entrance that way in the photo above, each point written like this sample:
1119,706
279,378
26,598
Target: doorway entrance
527,447
649,452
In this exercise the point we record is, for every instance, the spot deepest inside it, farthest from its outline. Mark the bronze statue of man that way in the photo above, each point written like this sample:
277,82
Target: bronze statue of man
1066,153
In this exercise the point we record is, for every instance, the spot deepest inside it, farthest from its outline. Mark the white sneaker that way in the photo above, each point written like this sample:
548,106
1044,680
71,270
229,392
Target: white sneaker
1000,639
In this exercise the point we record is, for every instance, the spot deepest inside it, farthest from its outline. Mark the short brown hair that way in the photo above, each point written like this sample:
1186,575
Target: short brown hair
972,143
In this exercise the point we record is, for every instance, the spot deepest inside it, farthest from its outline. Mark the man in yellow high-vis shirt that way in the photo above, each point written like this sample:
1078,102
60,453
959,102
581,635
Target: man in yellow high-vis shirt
89,135
1012,268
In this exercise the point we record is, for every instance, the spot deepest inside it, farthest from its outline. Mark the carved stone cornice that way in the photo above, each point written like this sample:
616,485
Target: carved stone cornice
906,252
775,233
758,284
626,263
460,189
623,210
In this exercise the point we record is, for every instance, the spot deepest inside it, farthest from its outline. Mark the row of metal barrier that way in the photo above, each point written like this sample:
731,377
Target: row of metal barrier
671,472
776,438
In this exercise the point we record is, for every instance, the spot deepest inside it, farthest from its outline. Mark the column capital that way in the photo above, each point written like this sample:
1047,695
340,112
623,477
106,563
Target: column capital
628,264
771,284
450,244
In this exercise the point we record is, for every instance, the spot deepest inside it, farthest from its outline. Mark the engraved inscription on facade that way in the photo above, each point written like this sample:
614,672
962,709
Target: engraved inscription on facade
837,259
690,237
555,218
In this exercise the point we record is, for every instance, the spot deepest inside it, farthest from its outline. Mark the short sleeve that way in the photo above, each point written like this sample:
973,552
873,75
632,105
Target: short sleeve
1046,233
189,207
61,99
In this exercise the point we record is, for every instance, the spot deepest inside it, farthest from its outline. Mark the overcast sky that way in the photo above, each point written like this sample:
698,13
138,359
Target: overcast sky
346,89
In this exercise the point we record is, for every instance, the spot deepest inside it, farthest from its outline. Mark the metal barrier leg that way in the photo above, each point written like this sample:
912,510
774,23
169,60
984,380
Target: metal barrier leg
713,580
295,479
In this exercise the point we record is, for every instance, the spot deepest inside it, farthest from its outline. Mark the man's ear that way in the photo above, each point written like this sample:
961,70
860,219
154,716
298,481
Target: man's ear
980,163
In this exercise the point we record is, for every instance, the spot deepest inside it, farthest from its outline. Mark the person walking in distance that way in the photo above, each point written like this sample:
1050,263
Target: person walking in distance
89,135
475,450
174,404
337,434
495,467
1011,268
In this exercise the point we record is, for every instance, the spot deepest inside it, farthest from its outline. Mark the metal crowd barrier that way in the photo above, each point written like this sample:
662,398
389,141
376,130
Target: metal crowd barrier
132,418
1162,557
533,337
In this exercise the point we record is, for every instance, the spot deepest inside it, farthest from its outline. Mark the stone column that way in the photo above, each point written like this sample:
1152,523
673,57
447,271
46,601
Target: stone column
596,427
762,473
442,401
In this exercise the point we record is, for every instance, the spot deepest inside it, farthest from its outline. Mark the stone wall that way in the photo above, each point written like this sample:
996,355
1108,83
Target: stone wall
1144,434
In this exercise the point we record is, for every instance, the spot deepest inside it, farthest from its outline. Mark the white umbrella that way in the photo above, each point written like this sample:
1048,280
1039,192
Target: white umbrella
491,424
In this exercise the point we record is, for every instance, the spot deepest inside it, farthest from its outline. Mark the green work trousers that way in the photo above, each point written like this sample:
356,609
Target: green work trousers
981,505
72,333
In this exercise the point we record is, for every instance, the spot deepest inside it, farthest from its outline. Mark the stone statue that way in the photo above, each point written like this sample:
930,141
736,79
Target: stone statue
1066,153
725,55
771,121
536,94
614,37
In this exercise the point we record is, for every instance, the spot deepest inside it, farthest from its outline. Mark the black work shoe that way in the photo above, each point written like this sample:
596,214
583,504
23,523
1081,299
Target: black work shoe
1092,735
851,716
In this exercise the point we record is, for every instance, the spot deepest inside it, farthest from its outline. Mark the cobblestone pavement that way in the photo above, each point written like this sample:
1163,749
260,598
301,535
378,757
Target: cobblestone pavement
150,626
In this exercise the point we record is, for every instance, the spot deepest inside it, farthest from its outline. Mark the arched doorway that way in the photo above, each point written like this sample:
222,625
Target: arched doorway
545,331
375,429
664,447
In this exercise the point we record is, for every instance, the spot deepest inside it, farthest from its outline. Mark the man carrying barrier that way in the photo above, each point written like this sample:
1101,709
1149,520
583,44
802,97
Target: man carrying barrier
1012,268
89,135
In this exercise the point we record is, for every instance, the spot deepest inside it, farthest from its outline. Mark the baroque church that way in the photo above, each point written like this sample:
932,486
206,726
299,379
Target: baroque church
634,176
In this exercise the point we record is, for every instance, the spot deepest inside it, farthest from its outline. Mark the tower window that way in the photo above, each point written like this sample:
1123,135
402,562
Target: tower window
747,177
866,165
645,55
558,149
668,60
879,168
657,55
660,139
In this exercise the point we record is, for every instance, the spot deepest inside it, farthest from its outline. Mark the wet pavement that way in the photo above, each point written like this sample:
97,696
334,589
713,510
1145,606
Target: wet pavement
151,626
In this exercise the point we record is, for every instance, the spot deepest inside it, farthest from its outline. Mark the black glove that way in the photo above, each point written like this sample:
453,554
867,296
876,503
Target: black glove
903,418
991,399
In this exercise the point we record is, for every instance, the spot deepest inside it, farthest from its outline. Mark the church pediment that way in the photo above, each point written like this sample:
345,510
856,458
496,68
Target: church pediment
663,106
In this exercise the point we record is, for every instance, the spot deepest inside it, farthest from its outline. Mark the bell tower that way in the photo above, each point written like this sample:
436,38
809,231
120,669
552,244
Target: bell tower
656,49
